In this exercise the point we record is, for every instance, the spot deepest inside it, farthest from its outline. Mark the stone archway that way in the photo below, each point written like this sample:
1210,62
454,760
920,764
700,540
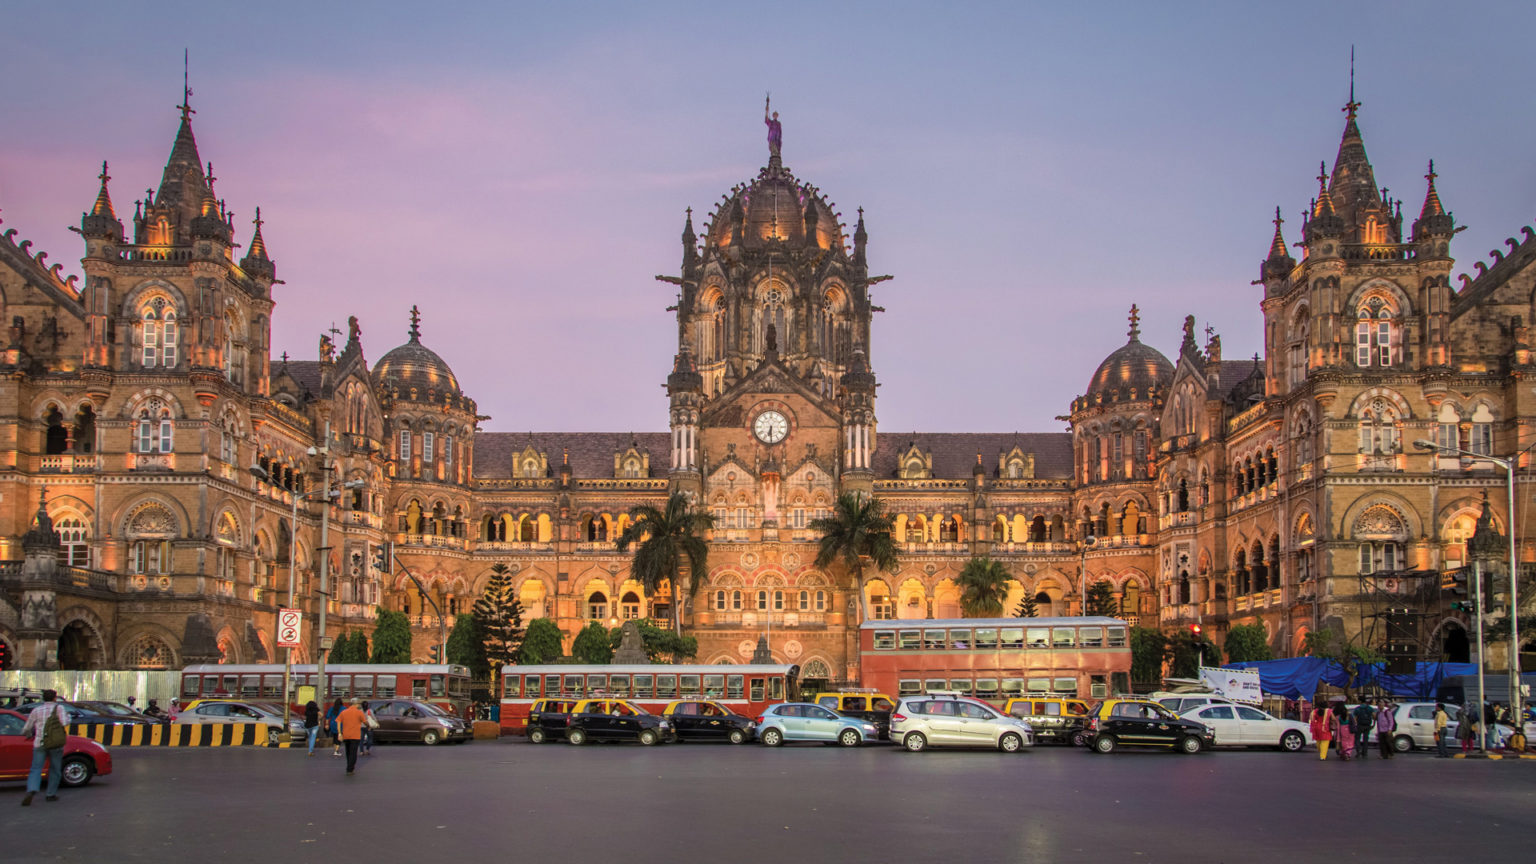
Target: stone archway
79,647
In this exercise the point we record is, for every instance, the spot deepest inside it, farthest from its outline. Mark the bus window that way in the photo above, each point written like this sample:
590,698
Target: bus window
908,687
959,640
1097,688
230,685
457,687
250,686
571,686
933,640
1011,638
597,685
437,687
714,685
341,685
688,685
961,685
514,687
1063,637
1039,637
934,685
755,693
885,640
1117,637
986,638
1093,637
272,686
1066,686
619,685
1039,685
986,688
531,686
551,685
909,640
666,686
362,686
775,688
735,685
1012,687
418,688
644,685
1120,682
189,685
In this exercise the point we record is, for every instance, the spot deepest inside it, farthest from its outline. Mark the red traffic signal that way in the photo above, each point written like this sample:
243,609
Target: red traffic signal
1195,629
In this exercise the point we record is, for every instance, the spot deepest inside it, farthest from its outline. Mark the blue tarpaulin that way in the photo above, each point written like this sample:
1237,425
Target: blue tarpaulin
1298,677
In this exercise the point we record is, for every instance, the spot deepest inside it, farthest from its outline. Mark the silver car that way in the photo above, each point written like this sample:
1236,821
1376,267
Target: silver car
920,722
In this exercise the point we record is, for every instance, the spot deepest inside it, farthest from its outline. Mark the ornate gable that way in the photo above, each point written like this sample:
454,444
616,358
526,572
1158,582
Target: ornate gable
1016,464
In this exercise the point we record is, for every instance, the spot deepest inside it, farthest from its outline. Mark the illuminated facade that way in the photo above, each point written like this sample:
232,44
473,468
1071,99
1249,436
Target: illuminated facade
171,445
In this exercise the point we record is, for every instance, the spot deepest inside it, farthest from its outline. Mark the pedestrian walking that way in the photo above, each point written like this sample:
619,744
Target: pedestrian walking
311,724
1364,718
1323,725
1386,724
1442,720
47,724
330,726
1490,727
1345,737
1466,728
351,722
370,723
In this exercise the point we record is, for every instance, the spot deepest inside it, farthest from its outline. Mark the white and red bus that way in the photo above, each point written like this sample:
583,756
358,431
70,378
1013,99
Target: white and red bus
443,685
997,658
746,689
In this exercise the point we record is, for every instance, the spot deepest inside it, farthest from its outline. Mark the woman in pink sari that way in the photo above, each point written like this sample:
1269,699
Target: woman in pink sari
1323,726
1345,737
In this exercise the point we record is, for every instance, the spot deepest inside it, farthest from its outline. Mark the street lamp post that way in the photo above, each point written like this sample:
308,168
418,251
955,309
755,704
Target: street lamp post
1515,696
1082,579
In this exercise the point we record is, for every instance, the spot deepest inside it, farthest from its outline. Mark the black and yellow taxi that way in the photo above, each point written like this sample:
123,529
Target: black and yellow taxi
547,719
1055,719
707,720
615,720
868,705
1143,723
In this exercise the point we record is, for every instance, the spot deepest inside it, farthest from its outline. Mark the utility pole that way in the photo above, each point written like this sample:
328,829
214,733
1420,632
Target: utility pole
325,560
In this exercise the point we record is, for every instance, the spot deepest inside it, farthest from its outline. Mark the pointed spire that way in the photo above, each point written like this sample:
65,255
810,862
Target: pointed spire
256,262
1279,262
415,330
102,221
860,239
1135,333
1432,206
103,205
689,238
1277,243
1433,220
1323,204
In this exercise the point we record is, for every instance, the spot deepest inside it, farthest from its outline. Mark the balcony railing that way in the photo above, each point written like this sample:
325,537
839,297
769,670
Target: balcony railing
70,463
512,546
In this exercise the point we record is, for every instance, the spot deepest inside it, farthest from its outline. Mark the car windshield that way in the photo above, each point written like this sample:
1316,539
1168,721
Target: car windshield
111,709
429,708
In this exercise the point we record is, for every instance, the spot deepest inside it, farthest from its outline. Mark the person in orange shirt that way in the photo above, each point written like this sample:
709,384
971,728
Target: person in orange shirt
351,723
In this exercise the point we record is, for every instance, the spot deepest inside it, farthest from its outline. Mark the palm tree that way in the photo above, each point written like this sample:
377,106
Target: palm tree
664,540
983,587
857,531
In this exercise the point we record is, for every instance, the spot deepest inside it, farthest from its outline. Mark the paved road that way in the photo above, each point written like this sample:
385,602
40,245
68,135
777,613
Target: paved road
682,804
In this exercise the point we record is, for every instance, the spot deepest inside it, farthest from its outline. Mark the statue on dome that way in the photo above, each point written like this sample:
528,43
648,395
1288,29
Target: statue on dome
775,131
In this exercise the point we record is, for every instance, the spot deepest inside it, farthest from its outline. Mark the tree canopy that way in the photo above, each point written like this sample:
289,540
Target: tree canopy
666,540
857,530
1247,643
466,647
1028,607
1149,650
541,643
592,645
1100,600
391,638
661,645
499,616
983,586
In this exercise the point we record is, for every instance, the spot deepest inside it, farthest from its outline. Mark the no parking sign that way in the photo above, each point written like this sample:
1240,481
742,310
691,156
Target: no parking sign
289,624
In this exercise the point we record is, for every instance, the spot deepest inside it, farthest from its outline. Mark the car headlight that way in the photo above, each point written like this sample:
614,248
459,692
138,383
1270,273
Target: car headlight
664,725
869,727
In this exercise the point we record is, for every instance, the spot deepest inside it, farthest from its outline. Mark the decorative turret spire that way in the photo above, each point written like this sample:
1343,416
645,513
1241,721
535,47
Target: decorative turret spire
860,239
690,243
256,262
1433,220
103,206
1279,263
1323,206
1135,333
1277,243
1432,206
1325,221
102,221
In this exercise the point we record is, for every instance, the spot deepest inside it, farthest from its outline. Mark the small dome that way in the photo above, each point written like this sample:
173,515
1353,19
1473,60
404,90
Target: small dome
1131,366
415,365
776,204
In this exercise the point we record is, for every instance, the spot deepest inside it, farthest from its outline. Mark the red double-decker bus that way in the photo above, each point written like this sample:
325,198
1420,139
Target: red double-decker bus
746,689
997,658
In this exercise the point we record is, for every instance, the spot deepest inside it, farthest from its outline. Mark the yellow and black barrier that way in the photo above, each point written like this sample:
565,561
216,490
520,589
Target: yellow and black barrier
177,734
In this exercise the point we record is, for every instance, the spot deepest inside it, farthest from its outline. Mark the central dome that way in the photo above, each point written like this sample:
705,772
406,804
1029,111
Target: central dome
775,207
1131,371
415,366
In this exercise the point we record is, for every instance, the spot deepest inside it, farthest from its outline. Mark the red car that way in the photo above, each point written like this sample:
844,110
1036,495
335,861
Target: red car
83,758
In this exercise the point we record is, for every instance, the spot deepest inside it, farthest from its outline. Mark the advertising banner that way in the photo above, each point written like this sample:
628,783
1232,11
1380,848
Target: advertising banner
1239,685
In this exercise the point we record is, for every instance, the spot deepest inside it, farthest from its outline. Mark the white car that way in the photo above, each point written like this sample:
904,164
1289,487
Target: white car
1241,726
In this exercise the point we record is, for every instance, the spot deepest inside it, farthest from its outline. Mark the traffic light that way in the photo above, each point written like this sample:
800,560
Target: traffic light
381,559
1194,629
437,653
1466,606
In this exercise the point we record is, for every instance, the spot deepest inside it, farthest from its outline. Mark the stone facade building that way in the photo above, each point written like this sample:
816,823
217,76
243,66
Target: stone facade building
153,454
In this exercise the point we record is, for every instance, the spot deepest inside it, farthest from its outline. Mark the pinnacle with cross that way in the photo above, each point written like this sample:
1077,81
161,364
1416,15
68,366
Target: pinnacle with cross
415,324
1135,322
1351,106
186,86
258,223
104,177
333,331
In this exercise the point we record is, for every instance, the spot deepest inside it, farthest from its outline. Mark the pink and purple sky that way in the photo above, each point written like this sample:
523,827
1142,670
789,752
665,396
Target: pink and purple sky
1028,170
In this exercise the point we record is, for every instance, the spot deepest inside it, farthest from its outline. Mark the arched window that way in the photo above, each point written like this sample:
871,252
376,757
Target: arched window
597,605
949,531
1183,499
1374,333
1378,429
1037,529
1481,442
74,540
148,652
56,438
629,605
1259,568
228,440
160,336
154,431
816,670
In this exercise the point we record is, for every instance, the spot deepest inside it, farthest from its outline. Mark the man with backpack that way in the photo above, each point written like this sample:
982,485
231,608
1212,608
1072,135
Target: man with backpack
1363,719
47,723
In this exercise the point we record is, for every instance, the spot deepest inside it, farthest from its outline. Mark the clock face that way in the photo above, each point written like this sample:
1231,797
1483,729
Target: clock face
770,427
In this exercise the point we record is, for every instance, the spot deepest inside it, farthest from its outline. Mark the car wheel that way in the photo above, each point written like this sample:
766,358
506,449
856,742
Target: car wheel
1292,741
1010,743
431,737
849,738
773,737
536,736
1402,744
648,737
1104,744
915,742
1189,744
78,771
576,736
274,738
738,736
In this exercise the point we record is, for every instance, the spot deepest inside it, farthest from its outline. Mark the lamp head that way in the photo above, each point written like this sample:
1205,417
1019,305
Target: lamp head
313,451
1425,444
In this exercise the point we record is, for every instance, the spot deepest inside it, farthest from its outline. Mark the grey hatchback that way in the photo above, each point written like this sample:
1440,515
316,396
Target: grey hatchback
935,720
